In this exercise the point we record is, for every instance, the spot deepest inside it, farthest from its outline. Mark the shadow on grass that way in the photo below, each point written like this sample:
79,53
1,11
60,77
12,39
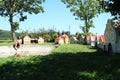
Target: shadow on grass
63,66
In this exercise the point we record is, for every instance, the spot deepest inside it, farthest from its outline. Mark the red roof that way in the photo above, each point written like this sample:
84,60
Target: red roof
102,38
88,38
58,38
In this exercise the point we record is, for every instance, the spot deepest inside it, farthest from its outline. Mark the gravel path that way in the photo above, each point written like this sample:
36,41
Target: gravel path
6,51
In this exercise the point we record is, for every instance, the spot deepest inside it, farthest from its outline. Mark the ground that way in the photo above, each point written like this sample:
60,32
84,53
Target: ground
6,51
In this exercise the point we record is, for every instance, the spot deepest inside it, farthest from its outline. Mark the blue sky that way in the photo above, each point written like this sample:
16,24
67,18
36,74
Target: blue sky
58,16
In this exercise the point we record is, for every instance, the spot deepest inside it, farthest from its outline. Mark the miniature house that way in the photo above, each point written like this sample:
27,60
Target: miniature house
27,39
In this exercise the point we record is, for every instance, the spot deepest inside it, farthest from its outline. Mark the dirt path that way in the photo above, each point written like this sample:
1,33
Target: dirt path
6,51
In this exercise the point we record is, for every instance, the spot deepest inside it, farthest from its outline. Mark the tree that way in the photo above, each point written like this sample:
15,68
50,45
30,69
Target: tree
113,6
12,8
85,10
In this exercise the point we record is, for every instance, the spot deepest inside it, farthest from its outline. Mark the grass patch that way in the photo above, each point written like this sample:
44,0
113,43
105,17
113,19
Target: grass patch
10,42
6,42
47,43
73,48
41,44
67,62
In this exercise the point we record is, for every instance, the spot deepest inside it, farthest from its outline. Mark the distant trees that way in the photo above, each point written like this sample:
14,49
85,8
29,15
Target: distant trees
113,6
85,10
48,35
6,35
12,8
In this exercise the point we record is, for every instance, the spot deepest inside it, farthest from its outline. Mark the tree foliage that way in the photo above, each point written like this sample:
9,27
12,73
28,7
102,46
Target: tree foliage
48,35
85,10
12,8
113,6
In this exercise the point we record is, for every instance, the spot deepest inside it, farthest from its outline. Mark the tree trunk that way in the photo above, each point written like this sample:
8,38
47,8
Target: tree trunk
13,34
12,29
86,26
86,30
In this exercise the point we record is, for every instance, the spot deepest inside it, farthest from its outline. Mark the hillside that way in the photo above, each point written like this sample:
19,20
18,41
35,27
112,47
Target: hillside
5,34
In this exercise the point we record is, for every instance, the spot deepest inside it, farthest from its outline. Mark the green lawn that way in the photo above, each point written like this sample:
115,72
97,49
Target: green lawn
10,42
6,42
67,62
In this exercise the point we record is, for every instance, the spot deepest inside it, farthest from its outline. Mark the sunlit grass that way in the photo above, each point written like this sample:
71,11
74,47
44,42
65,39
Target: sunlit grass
67,62
10,43
73,48
6,42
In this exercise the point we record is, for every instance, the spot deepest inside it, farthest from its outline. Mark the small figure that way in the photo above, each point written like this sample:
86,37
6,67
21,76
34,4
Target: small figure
17,43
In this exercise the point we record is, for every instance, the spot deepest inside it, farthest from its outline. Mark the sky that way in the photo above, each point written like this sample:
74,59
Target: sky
59,17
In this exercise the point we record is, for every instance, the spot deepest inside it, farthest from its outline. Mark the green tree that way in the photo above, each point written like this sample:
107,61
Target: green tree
12,8
113,6
85,10
53,36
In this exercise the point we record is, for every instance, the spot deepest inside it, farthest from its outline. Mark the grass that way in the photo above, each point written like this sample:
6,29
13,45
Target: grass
47,43
6,42
73,48
67,62
10,42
